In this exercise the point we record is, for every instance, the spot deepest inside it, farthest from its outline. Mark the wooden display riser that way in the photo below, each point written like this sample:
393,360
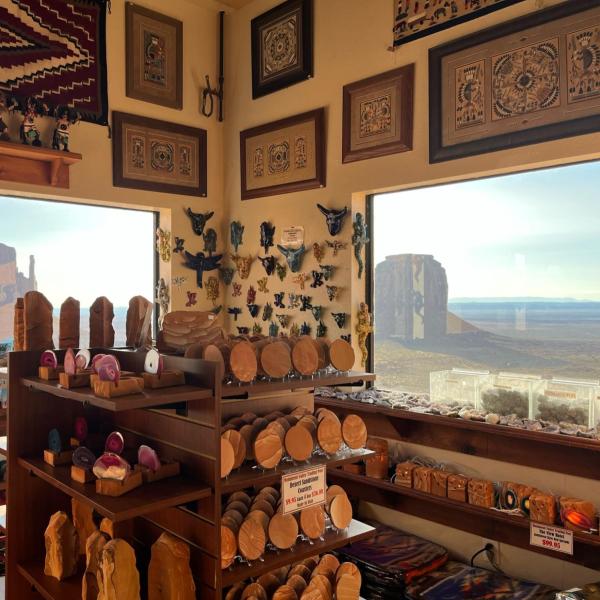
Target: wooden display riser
551,452
484,522
273,560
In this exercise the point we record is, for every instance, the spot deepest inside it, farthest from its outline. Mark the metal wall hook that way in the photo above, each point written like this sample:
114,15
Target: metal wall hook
209,93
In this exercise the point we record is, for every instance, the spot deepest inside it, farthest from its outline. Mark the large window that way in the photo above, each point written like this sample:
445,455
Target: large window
499,275
73,250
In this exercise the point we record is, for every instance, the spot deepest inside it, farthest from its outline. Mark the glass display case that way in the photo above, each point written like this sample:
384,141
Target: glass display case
509,394
457,387
566,401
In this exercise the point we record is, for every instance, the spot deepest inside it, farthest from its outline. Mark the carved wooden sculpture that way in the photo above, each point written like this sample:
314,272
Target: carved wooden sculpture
169,573
92,578
102,334
68,335
37,322
19,325
120,577
139,322
83,520
62,547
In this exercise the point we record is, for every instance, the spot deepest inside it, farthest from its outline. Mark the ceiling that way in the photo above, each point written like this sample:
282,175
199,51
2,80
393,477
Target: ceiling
236,3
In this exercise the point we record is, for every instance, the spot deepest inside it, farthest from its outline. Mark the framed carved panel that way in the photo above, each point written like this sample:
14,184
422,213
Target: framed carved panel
158,156
378,115
282,47
154,57
526,81
283,156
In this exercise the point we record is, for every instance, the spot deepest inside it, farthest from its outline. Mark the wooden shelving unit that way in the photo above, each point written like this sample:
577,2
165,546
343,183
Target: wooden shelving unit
183,424
40,166
485,522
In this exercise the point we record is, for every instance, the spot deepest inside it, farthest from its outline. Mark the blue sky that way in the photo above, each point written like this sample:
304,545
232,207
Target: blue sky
531,234
81,251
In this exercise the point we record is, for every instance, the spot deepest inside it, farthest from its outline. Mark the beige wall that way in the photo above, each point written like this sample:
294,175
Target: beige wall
91,180
351,42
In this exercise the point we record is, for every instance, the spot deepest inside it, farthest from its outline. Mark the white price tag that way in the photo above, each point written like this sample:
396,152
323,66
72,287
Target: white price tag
551,538
301,489
292,237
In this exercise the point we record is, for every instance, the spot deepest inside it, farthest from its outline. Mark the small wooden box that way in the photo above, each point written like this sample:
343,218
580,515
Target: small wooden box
114,488
457,487
49,373
170,469
542,508
125,387
422,479
166,379
481,493
55,459
78,380
81,475
404,474
439,483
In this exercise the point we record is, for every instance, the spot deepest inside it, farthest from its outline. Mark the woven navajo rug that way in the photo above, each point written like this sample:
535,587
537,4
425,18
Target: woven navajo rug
56,50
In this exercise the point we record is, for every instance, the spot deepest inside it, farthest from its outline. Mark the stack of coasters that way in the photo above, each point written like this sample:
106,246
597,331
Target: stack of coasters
390,560
457,581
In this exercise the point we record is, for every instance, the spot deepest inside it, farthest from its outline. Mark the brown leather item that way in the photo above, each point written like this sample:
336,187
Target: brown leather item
354,432
312,522
283,531
62,547
251,540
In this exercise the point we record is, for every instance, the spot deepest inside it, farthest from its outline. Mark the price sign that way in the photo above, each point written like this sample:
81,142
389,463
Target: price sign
301,489
551,538
292,237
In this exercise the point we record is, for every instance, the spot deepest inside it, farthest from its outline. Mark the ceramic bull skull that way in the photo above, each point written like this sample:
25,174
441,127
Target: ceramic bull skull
199,220
293,256
333,218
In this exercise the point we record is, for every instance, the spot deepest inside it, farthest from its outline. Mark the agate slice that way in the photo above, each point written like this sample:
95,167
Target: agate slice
81,429
82,359
111,466
54,441
48,359
96,360
84,458
70,364
108,369
115,443
148,458
153,363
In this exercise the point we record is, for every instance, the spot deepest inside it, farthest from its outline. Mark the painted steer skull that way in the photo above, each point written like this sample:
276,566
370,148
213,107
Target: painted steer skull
334,218
293,256
199,220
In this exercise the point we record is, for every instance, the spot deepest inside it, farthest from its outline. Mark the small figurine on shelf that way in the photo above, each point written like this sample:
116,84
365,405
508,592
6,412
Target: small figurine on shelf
198,220
267,231
273,329
4,137
262,285
269,263
281,271
336,246
235,312
65,118
364,327
321,329
163,244
227,274
179,242
237,234
33,109
210,241
279,300
267,312
340,319
305,329
360,237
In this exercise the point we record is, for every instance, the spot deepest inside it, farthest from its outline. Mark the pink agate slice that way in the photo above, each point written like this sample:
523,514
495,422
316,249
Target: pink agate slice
115,444
81,429
96,360
70,364
108,369
111,466
48,359
148,458
82,359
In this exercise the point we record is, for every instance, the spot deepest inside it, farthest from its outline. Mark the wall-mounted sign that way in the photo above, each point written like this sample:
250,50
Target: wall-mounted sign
292,237
551,538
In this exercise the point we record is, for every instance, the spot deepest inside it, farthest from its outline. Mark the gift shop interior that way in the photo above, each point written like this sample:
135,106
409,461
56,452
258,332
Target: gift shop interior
299,300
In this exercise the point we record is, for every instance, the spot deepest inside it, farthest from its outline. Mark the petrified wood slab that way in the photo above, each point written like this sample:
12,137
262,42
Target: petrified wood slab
166,379
349,569
243,361
239,447
83,520
120,577
228,547
299,443
251,540
341,355
283,531
115,488
92,578
37,322
62,547
354,432
102,334
138,325
329,434
320,582
481,493
169,573
19,325
68,333
340,511
305,358
312,522
347,588
227,457
268,449
276,359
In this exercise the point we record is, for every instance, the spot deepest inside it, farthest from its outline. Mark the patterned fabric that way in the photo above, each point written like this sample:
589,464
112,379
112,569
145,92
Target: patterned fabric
455,581
55,50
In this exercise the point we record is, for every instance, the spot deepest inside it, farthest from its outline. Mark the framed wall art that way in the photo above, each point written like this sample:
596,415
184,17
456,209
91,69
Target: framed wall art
154,57
526,81
158,156
282,47
378,115
416,19
284,156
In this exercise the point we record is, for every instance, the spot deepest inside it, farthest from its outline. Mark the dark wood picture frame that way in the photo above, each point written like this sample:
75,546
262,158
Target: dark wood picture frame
520,137
403,79
319,181
133,89
119,180
304,70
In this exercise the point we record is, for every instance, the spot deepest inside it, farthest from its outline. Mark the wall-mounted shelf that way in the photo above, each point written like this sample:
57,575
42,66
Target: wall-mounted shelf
484,522
552,452
48,587
40,166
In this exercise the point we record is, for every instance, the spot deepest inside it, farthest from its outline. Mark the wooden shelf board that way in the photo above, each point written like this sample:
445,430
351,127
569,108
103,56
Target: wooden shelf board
487,523
143,500
356,532
147,399
48,587
548,451
247,476
262,387
37,153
